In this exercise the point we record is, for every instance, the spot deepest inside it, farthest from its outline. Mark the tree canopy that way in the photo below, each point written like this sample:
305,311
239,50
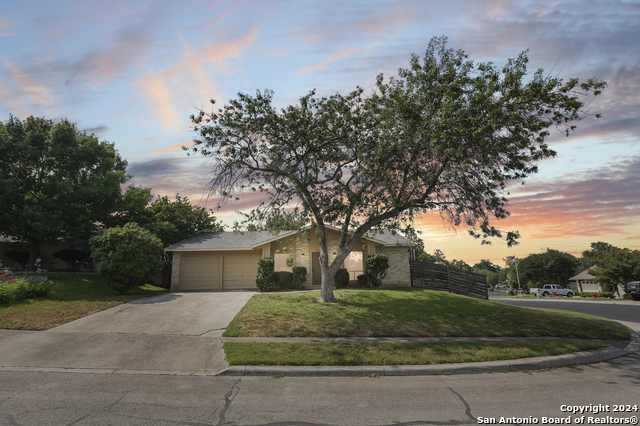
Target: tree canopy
55,181
613,265
446,135
169,220
548,267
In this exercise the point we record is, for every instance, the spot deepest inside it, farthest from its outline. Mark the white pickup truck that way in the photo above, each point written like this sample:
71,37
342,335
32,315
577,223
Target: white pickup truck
549,289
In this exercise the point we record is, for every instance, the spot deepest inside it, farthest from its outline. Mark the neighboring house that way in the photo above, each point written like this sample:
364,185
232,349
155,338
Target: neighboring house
226,260
584,282
48,261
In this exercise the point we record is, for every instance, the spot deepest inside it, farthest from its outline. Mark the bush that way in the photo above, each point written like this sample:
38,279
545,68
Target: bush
283,279
32,289
377,266
626,297
362,280
341,278
299,276
6,296
21,289
597,294
264,274
126,256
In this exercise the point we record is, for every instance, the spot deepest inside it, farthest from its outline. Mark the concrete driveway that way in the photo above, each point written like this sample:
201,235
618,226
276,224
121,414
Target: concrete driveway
176,333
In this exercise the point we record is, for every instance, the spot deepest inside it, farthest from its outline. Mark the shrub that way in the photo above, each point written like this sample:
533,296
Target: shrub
283,279
626,297
32,289
126,255
299,276
341,278
6,296
264,274
596,294
377,266
362,280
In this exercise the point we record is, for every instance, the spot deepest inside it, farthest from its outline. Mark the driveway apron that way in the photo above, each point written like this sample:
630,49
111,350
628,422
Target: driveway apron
175,333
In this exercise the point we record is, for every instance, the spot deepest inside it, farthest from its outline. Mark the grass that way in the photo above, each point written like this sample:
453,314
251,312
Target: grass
73,296
410,312
314,354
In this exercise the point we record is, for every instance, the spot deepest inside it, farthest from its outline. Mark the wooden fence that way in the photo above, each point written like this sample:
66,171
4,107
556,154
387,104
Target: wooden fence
445,278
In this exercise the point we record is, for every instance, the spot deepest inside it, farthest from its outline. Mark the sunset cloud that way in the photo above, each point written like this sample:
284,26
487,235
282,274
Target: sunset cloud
160,100
5,28
172,148
328,61
190,82
24,85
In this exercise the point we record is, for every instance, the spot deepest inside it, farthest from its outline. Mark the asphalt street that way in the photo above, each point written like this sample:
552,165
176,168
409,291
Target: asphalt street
46,398
625,312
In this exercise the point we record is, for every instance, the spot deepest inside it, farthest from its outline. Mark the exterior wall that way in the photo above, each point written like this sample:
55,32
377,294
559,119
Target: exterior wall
302,254
175,272
398,274
306,243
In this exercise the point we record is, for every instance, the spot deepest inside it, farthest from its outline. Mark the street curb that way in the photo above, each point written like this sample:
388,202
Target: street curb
522,364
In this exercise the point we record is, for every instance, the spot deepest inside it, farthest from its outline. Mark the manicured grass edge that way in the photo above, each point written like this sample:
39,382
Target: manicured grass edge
354,354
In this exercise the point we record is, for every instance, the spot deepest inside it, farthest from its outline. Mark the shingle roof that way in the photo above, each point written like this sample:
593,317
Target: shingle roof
223,241
219,241
583,276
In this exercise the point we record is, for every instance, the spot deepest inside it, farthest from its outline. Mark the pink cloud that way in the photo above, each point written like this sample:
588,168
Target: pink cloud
172,148
328,61
23,85
160,100
189,80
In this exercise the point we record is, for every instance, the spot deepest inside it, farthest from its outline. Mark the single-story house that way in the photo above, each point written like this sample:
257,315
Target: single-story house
48,260
584,282
228,260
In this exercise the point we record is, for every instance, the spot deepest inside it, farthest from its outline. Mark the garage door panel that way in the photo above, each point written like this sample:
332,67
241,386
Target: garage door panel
240,271
199,271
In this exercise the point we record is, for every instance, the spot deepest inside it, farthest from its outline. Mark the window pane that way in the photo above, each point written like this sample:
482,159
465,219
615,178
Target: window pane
353,264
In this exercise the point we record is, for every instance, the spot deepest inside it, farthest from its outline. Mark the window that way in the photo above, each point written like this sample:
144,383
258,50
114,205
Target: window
353,264
280,262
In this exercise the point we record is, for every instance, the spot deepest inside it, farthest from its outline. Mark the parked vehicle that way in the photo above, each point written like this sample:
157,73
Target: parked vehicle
549,289
633,290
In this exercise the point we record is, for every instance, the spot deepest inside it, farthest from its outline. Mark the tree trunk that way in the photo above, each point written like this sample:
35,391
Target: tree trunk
327,281
34,251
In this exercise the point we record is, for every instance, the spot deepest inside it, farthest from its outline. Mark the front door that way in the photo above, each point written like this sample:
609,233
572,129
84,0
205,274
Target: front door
316,276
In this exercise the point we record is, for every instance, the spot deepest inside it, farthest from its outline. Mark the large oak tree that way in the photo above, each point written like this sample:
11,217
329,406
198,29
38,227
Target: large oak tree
56,182
447,135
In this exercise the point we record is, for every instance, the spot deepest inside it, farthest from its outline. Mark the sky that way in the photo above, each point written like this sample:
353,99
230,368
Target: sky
133,72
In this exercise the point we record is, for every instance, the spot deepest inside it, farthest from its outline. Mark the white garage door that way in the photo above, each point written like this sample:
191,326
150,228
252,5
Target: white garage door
199,271
240,270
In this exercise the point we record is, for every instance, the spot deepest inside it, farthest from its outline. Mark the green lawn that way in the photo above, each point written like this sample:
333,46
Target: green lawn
409,312
310,354
73,296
